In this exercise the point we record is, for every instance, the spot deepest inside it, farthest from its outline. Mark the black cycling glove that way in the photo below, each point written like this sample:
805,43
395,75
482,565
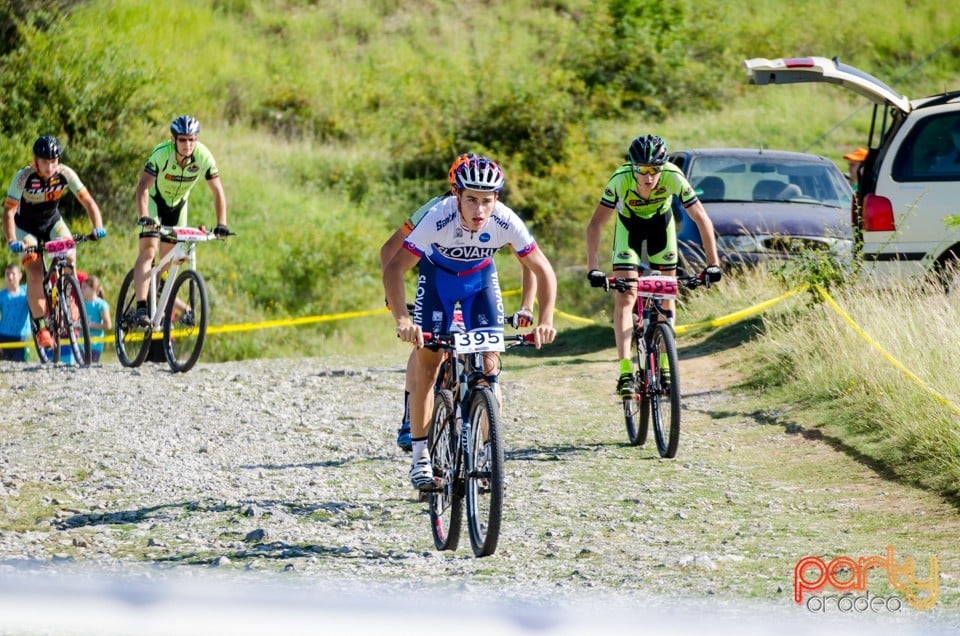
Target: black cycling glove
712,274
598,279
221,230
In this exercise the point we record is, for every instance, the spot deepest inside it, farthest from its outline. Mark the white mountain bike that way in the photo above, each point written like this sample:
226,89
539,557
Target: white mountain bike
179,308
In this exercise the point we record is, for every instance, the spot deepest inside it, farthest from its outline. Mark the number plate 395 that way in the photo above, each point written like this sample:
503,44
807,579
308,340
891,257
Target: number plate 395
478,341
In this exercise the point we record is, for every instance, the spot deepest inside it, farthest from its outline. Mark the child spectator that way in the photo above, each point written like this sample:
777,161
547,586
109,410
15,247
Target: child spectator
14,326
98,314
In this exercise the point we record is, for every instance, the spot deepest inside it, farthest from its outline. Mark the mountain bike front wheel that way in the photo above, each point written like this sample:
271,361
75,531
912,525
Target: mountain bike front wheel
132,343
446,504
74,326
485,473
185,324
661,399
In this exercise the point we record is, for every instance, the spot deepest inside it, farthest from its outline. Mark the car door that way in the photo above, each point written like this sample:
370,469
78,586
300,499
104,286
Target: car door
915,235
792,70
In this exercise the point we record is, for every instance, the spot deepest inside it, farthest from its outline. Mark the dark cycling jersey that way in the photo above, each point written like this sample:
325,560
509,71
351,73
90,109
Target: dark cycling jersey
39,199
173,182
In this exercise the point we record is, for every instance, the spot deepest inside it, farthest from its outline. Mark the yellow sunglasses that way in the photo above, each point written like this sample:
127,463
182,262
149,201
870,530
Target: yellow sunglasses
647,169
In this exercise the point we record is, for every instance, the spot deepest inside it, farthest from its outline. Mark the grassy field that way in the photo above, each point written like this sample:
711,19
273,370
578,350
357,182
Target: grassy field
332,121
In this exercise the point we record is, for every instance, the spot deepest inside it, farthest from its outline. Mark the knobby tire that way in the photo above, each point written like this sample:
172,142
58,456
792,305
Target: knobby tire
131,342
485,482
74,324
446,504
184,332
636,425
665,392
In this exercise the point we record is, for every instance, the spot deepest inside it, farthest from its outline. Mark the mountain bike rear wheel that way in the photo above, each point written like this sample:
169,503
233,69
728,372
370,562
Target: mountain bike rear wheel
132,343
446,504
185,324
74,325
661,402
485,473
636,425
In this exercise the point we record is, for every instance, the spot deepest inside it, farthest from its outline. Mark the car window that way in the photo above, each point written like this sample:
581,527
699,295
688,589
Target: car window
719,178
929,152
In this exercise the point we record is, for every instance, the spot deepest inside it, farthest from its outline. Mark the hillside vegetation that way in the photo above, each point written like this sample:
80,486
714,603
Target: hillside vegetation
331,121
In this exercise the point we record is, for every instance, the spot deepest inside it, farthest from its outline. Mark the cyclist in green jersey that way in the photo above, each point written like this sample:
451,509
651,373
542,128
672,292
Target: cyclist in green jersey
171,171
641,192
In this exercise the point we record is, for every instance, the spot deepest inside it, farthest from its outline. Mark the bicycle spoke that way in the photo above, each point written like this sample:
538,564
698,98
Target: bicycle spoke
75,327
446,504
665,391
635,420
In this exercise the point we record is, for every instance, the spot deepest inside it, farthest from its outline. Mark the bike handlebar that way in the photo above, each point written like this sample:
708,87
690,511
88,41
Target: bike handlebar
448,340
77,238
690,281
174,231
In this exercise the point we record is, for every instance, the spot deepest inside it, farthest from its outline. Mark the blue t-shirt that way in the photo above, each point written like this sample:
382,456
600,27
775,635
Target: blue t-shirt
14,314
95,310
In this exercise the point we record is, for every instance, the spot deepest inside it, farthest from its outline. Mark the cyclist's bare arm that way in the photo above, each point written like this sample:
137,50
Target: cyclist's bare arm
546,284
594,229
143,194
9,211
393,286
391,247
528,287
698,214
219,199
90,205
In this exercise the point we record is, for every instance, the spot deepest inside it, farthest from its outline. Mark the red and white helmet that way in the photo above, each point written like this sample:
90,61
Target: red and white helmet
480,173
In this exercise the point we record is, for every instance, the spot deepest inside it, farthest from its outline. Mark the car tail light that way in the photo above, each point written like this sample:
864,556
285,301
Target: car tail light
877,214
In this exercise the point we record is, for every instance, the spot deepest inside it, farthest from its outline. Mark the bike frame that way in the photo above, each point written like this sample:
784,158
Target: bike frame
466,377
60,267
182,252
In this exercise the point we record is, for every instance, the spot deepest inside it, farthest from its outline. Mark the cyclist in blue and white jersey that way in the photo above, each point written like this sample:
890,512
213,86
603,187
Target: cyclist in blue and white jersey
454,245
522,318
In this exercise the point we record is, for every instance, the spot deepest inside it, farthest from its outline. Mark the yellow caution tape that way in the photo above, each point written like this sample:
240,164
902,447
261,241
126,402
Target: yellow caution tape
896,363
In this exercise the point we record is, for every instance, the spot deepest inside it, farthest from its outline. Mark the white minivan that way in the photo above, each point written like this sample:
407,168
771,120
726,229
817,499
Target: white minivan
910,181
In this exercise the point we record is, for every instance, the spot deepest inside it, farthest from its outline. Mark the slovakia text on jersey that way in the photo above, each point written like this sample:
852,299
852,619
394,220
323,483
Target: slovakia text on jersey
442,239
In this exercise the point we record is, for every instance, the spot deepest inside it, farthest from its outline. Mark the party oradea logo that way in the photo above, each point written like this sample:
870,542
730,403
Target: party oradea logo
812,575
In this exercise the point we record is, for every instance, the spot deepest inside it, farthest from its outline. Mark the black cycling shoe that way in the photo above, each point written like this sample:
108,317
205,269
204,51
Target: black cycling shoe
142,317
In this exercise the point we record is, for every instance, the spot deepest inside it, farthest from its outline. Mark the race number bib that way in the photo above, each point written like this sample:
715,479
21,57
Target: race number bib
478,341
657,286
60,247
189,234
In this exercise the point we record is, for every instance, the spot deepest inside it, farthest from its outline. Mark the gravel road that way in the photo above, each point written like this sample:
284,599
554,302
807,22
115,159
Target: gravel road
287,470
